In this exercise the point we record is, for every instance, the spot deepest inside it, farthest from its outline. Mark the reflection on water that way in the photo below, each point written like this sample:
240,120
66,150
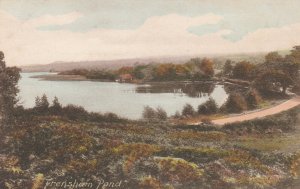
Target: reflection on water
232,88
195,90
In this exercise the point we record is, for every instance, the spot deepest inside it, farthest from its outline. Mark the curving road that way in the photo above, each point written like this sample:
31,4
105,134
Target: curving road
261,113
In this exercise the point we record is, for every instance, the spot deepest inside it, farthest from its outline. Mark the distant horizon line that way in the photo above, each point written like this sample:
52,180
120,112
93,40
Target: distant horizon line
154,57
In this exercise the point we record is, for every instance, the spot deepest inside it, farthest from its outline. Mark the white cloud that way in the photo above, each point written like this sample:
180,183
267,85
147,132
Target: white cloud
270,39
54,20
23,43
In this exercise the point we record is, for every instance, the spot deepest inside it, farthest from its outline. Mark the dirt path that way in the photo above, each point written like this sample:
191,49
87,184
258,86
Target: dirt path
270,111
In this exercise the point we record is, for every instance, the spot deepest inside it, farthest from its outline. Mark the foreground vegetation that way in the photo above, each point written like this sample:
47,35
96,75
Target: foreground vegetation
143,154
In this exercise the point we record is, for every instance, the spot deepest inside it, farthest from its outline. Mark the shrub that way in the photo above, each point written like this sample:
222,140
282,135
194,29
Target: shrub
243,70
253,99
149,183
161,114
111,117
74,112
149,113
152,114
178,170
177,115
188,110
56,107
235,103
41,105
208,107
96,117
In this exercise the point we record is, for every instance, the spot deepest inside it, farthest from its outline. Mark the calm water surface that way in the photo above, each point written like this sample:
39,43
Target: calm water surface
126,100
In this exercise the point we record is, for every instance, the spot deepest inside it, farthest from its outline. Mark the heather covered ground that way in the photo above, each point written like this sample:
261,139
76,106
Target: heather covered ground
49,150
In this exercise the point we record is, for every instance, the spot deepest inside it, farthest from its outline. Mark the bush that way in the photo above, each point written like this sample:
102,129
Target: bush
74,112
41,105
56,107
188,110
253,99
161,114
177,115
149,113
235,103
208,107
111,117
152,114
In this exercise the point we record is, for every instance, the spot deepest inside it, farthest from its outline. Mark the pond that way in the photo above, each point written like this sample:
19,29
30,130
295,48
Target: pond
124,99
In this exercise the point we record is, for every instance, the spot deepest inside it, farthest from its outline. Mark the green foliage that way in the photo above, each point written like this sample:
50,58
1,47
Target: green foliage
178,170
195,69
273,81
151,114
74,112
156,156
169,72
227,68
160,155
101,74
161,114
294,56
138,71
82,72
41,105
56,107
9,77
207,68
188,111
278,73
273,57
149,183
243,70
202,136
208,107
253,99
235,103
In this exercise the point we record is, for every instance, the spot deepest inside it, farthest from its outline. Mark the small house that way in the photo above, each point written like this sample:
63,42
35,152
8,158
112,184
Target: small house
125,78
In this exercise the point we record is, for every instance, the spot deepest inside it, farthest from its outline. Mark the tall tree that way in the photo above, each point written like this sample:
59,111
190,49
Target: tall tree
56,107
227,69
294,56
41,104
243,70
273,57
273,81
9,77
207,67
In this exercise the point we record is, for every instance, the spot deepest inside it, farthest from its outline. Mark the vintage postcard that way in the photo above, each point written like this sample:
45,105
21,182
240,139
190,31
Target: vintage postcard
160,94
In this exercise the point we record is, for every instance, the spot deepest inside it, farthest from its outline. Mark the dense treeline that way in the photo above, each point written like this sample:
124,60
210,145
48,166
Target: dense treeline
70,112
195,69
275,75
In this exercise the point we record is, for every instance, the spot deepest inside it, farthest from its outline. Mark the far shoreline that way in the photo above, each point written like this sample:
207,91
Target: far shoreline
55,76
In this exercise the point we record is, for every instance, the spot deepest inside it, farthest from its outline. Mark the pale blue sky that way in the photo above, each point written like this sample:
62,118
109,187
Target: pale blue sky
44,31
240,16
